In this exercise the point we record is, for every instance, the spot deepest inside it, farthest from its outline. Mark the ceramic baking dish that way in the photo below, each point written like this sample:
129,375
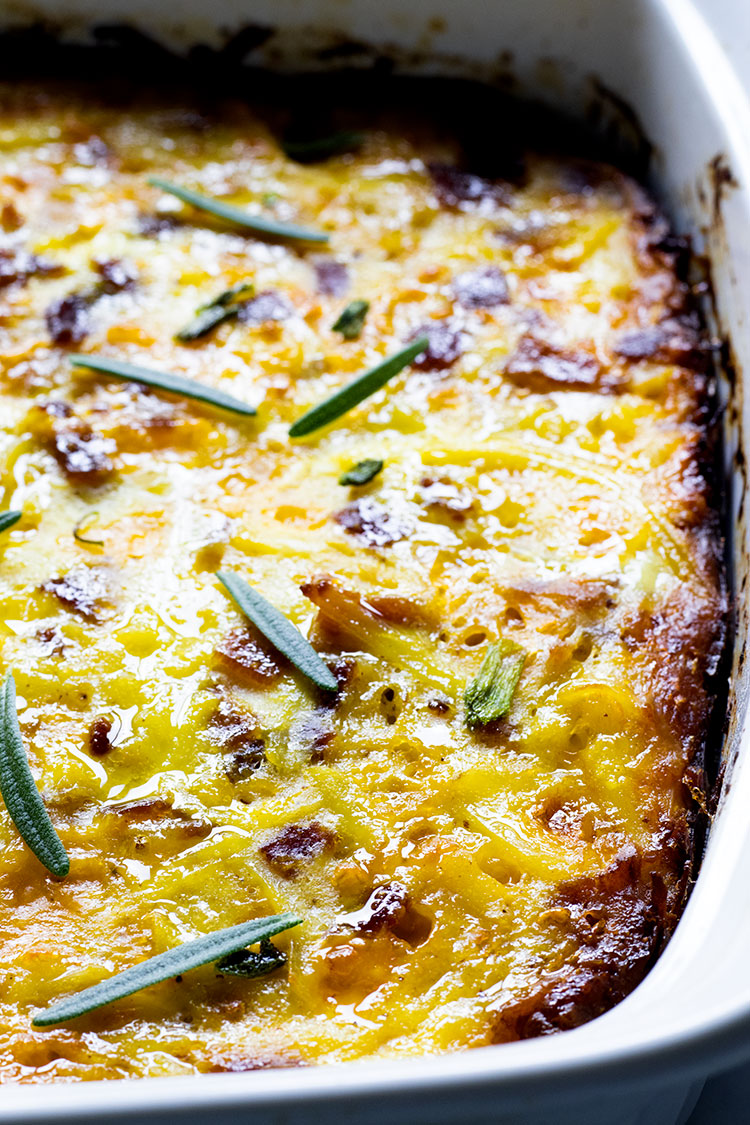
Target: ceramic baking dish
657,63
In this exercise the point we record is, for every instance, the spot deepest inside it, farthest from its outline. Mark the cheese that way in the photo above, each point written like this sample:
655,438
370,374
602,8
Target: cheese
542,485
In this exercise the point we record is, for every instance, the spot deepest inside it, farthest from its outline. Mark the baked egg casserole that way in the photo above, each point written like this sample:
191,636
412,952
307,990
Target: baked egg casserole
360,586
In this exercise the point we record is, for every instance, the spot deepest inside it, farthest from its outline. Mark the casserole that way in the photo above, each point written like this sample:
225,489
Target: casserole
498,1068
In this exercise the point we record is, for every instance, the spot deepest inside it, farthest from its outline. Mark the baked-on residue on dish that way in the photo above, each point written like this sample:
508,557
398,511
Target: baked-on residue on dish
533,481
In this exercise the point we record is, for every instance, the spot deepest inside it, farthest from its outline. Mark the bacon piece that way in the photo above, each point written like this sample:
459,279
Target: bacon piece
91,152
159,810
462,190
372,523
445,346
297,844
268,305
68,319
542,366
20,265
84,454
481,289
99,742
83,590
116,276
245,760
389,907
242,651
332,277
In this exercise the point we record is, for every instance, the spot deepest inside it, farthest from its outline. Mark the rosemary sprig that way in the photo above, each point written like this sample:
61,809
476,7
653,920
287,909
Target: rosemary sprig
7,519
224,307
352,319
279,630
320,148
489,695
237,216
19,791
84,523
203,951
163,380
355,392
361,473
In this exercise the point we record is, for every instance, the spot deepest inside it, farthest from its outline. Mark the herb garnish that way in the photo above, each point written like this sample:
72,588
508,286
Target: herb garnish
82,526
279,630
19,791
352,319
7,519
224,307
355,392
164,380
361,473
238,216
203,951
320,148
488,697
245,963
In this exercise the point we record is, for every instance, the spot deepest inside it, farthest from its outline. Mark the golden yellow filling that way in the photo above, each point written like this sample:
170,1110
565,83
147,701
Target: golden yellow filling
540,487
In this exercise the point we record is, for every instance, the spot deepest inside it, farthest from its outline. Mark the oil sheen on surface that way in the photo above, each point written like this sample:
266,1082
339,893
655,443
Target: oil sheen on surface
542,484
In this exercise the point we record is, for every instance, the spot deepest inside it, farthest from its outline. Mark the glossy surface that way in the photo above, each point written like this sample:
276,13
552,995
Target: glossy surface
539,485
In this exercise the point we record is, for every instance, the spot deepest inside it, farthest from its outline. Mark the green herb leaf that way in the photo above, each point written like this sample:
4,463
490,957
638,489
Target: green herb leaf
7,519
245,963
489,695
202,951
203,322
352,319
237,216
165,381
361,473
279,630
19,791
320,148
82,526
224,307
355,392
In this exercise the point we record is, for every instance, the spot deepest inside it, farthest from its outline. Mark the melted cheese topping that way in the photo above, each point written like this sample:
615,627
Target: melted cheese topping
539,486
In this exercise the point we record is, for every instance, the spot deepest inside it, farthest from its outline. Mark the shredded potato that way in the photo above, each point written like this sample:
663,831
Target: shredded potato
542,485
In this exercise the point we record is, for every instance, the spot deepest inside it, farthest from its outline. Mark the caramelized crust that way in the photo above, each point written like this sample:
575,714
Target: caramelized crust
544,484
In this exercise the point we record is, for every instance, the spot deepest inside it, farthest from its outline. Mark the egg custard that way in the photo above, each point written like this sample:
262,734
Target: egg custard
504,555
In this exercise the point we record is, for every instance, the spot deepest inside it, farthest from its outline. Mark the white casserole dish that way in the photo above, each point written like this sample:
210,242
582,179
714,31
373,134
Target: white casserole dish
646,1060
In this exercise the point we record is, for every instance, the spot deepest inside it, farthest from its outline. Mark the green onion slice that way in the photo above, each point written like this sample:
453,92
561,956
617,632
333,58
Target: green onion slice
224,307
357,391
19,791
203,951
352,319
7,519
164,381
247,964
279,630
489,695
83,525
361,473
237,216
